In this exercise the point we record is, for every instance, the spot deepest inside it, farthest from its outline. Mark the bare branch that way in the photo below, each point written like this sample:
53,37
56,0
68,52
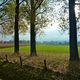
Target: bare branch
77,3
21,2
40,12
3,22
39,4
3,2
28,8
27,4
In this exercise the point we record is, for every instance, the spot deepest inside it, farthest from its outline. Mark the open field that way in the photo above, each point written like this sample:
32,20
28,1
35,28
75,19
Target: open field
40,49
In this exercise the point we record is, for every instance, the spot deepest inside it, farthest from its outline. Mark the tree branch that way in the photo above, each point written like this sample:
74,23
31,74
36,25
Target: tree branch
40,12
77,3
21,2
3,2
39,5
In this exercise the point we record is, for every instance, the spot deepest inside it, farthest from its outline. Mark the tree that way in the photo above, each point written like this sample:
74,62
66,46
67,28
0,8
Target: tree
73,32
11,21
25,11
16,28
32,29
34,15
63,19
8,19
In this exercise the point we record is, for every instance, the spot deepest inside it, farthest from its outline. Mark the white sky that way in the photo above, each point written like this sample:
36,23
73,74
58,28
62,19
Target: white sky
51,33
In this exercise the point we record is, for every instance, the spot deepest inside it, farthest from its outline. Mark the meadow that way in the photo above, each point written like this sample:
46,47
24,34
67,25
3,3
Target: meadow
41,48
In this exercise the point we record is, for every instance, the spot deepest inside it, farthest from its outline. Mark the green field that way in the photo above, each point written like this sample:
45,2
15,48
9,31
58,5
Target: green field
40,49
47,49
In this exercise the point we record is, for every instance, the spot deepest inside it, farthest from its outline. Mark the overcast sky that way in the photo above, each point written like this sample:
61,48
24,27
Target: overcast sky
51,33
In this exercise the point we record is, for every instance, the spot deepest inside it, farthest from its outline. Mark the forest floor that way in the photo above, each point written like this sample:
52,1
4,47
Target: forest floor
58,67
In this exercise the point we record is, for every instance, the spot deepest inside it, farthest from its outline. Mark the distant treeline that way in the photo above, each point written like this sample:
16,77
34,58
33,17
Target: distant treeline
38,42
4,44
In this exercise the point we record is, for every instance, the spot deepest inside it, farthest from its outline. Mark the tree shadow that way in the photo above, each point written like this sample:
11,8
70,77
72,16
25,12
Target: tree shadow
13,71
73,71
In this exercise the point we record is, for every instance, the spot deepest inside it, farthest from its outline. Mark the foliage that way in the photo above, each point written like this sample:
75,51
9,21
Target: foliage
7,20
60,14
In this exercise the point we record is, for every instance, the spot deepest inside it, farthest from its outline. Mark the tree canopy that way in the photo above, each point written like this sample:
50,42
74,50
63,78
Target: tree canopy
7,16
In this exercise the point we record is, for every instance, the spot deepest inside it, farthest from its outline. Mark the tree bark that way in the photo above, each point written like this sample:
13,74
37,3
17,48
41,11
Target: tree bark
32,30
73,32
16,29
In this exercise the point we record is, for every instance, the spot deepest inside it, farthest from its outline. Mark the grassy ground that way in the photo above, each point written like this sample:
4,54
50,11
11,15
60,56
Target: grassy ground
58,68
40,49
57,60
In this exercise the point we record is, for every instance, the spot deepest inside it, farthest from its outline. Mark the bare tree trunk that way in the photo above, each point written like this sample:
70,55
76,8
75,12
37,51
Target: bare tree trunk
16,29
73,32
32,30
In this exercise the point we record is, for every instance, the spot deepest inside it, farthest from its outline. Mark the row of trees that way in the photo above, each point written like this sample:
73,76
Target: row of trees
34,9
31,11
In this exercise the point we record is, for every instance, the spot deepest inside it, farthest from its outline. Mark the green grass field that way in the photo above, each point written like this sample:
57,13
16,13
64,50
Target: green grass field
60,49
41,49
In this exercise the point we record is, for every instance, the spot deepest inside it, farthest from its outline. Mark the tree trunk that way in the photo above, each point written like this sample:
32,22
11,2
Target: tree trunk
16,29
73,32
32,30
